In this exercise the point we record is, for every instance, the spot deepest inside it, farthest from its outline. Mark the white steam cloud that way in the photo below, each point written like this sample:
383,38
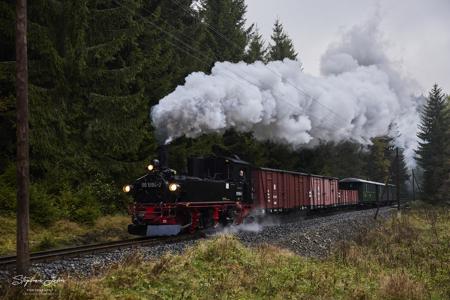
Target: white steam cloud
360,95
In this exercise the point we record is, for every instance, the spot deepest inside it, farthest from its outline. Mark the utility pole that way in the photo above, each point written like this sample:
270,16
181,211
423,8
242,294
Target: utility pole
413,186
417,183
386,185
397,167
23,159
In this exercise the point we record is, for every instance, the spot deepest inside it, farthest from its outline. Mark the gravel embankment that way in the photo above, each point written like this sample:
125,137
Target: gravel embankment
92,264
312,237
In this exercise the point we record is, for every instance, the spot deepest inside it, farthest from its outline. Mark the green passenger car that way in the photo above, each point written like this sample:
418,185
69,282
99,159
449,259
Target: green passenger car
369,192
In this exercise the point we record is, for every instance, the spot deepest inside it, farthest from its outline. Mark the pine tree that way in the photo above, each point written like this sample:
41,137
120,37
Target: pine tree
433,144
245,146
7,84
51,80
228,35
380,159
444,190
256,49
345,159
403,171
173,45
381,162
115,123
281,46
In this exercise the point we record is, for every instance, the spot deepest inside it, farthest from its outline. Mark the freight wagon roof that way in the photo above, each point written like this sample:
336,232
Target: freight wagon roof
297,173
363,181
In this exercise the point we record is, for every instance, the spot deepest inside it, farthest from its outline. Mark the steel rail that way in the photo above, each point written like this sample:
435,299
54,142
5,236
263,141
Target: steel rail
97,248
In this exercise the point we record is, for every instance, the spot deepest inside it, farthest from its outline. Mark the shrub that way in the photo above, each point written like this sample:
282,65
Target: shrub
48,242
8,190
401,286
80,206
107,194
43,208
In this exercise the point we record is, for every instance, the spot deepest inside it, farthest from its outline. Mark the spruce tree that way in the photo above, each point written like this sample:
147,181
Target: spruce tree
433,144
345,159
114,126
444,190
380,159
227,32
173,45
51,80
7,84
281,46
256,49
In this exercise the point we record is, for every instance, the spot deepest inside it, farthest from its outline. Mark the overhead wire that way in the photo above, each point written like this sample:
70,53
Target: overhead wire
161,29
225,38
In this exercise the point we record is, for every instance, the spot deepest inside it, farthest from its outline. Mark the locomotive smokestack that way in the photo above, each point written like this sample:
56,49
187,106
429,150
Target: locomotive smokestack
163,156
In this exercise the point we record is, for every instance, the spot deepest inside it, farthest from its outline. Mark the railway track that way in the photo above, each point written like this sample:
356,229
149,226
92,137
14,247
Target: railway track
49,255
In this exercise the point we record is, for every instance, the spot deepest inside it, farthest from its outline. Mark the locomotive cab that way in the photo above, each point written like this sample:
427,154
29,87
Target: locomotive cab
232,171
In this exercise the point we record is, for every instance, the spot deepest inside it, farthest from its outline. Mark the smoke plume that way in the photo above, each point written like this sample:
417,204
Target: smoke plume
360,95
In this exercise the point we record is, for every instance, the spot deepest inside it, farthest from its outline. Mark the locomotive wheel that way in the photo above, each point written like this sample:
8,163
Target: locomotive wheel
184,218
228,217
249,220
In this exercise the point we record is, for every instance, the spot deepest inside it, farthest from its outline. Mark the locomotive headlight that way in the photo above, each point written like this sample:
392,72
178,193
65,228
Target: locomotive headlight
150,167
126,189
173,187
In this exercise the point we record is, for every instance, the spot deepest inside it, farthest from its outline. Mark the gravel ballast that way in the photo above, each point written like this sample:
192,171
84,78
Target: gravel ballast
314,236
306,236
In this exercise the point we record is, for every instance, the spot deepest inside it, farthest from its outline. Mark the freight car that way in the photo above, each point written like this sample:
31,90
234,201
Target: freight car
224,190
279,190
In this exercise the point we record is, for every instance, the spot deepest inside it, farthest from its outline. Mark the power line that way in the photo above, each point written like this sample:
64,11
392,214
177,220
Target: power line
209,58
273,71
298,109
164,31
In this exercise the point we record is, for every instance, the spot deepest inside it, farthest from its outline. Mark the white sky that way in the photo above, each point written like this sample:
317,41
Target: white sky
417,31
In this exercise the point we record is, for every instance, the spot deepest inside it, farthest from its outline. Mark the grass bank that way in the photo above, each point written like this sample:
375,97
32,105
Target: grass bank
405,258
64,233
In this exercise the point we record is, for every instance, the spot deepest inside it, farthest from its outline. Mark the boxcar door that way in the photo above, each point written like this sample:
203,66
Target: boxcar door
275,189
269,187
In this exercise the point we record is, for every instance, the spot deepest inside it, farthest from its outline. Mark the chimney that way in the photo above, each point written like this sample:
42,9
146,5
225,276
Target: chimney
163,156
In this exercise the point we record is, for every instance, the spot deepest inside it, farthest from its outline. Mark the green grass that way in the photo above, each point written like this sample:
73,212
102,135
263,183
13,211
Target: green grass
64,233
407,257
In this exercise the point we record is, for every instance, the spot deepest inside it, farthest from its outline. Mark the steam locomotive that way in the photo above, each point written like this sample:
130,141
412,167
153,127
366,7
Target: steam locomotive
224,190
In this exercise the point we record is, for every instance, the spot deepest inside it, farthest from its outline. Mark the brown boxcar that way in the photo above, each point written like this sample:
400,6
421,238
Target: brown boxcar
324,191
278,190
348,197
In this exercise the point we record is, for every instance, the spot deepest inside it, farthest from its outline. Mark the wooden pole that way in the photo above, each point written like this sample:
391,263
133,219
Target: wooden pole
382,193
386,184
23,164
417,184
413,186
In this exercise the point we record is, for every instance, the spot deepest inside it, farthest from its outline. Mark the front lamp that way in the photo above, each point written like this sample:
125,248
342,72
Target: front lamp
173,187
126,189
150,167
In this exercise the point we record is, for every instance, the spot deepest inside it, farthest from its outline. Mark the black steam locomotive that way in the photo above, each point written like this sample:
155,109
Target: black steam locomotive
215,190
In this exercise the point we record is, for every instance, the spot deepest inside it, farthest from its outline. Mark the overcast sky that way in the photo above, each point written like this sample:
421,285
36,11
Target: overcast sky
417,32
